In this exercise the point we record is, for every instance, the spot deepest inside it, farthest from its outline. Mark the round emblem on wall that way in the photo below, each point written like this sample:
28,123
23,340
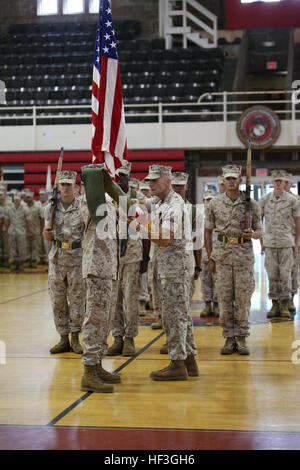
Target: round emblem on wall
261,125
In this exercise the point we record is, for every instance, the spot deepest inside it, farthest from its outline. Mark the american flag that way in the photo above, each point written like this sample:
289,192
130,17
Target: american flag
109,143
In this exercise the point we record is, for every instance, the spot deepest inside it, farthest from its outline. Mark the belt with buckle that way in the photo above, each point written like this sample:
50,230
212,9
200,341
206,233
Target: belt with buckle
67,246
232,240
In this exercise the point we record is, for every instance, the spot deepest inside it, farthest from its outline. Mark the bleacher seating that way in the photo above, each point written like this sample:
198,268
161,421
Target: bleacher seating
51,64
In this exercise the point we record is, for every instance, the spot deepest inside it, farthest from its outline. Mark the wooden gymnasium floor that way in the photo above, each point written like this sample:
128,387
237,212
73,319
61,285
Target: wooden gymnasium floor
250,402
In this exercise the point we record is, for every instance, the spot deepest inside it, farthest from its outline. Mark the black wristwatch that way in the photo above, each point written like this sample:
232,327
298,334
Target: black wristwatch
197,268
146,258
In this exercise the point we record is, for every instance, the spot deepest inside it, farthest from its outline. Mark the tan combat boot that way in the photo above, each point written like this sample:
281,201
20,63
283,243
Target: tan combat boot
191,366
216,312
90,381
241,345
75,345
229,346
176,370
157,325
62,346
116,348
106,376
284,308
275,311
128,347
164,348
207,311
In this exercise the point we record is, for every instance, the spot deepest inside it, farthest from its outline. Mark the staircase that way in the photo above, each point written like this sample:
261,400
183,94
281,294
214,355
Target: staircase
188,20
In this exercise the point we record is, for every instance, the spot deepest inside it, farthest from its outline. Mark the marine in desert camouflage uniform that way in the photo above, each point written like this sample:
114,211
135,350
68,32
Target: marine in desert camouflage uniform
36,227
18,226
5,202
174,265
44,246
281,211
232,258
133,262
100,273
289,182
208,279
145,293
180,186
66,287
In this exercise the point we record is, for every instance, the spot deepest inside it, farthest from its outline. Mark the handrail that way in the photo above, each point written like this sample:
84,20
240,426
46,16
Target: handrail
202,9
219,107
199,23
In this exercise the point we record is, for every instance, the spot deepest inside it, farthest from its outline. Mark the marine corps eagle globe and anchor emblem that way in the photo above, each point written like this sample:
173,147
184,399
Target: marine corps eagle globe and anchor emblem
261,125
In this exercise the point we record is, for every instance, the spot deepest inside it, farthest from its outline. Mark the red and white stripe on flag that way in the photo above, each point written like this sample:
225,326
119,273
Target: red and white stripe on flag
109,143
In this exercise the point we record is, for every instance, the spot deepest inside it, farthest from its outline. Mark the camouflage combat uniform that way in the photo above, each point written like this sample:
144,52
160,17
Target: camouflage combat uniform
296,256
44,246
4,239
100,272
278,240
173,269
1,217
144,288
208,279
65,281
197,226
34,237
18,217
234,262
126,316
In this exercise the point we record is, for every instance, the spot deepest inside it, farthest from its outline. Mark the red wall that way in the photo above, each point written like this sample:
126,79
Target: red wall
262,15
36,163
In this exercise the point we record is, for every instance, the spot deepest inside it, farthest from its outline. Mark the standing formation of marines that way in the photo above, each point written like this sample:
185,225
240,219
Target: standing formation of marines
21,238
96,283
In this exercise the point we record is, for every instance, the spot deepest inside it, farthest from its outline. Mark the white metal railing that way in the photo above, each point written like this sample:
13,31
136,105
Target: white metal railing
192,25
217,106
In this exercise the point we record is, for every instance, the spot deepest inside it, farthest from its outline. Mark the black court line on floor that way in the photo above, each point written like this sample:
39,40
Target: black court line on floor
86,395
23,296
64,426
